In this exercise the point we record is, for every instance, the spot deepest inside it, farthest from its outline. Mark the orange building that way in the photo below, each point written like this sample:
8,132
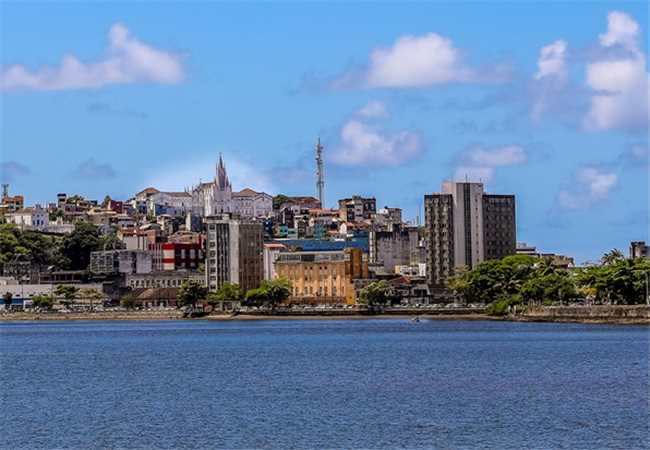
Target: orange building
323,277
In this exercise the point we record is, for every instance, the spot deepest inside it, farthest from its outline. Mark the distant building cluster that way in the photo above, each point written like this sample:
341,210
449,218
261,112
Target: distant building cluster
213,234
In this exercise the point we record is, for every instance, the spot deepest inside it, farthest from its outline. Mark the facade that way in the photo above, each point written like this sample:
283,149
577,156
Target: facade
10,203
250,204
465,226
169,256
385,217
214,197
499,226
33,218
357,208
234,252
323,277
111,262
172,279
271,252
439,237
639,249
394,247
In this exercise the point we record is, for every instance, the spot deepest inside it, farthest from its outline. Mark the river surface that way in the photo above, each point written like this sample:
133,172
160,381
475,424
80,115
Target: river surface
323,383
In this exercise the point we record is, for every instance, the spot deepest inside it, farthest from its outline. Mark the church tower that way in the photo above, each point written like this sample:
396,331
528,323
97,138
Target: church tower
222,196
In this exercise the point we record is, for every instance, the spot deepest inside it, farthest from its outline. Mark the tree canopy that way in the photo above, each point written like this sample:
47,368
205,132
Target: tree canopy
377,293
530,280
228,292
190,293
270,293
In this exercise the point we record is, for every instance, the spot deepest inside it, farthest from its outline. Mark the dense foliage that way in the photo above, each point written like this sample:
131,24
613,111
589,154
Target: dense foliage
270,293
190,293
228,292
522,279
376,294
70,252
37,247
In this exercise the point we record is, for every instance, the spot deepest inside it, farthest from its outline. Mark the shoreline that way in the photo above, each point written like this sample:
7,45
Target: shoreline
425,316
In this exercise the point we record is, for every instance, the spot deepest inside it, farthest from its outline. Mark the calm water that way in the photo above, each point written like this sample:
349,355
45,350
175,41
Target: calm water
370,384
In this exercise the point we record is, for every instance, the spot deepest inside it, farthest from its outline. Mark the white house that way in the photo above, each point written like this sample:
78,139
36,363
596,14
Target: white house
32,218
250,204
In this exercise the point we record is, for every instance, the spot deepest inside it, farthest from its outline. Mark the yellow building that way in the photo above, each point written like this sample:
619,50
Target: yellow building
322,276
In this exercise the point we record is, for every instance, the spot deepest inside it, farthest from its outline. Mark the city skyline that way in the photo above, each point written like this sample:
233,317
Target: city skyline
527,117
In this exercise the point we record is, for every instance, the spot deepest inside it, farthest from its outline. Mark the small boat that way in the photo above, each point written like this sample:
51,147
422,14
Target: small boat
415,319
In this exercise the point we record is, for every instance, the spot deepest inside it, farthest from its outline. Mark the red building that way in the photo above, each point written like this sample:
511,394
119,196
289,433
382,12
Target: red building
176,256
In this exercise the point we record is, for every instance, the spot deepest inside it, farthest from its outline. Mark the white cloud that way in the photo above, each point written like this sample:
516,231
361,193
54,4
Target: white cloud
591,185
551,78
126,60
552,61
621,30
418,61
503,156
366,145
620,83
374,109
598,183
478,163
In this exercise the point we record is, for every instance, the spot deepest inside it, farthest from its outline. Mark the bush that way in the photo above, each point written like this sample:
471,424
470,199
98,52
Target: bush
500,307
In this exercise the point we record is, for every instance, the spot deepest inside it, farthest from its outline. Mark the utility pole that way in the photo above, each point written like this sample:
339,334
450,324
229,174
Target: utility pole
320,175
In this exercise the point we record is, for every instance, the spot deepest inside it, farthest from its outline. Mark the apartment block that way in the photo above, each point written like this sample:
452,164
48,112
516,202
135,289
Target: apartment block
234,252
357,208
465,226
393,247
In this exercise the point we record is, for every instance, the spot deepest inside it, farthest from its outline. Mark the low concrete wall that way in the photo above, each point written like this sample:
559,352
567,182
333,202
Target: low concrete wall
596,313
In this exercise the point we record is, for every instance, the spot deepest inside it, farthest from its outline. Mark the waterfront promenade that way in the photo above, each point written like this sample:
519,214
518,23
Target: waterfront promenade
580,314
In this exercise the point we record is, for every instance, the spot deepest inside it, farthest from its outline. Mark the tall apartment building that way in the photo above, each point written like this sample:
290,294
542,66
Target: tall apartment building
465,226
639,249
357,208
392,247
234,252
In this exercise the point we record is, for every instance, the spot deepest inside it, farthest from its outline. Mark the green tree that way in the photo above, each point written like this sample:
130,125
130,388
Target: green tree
43,301
376,295
128,301
228,292
190,293
76,246
38,247
551,288
7,298
612,257
67,292
93,295
270,293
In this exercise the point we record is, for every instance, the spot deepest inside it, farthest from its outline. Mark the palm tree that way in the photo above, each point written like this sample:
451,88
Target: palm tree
612,257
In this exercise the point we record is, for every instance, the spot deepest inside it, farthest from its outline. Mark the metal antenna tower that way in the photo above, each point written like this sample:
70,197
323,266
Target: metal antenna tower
320,174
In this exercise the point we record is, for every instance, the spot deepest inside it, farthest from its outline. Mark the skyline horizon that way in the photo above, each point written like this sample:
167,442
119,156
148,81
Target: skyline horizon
402,98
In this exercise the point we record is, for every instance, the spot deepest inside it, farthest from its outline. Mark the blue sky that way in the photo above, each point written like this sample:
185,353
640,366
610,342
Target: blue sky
546,101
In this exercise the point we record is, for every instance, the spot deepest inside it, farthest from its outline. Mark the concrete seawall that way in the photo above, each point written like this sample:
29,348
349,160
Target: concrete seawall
597,313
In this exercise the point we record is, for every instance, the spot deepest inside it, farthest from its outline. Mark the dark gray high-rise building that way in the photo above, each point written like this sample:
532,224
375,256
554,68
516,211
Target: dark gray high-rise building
439,237
234,252
465,226
499,227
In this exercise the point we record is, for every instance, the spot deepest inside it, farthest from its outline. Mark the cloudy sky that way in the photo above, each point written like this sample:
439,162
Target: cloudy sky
549,102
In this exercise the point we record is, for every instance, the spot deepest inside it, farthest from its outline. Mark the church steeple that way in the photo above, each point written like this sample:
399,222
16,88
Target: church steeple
221,180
